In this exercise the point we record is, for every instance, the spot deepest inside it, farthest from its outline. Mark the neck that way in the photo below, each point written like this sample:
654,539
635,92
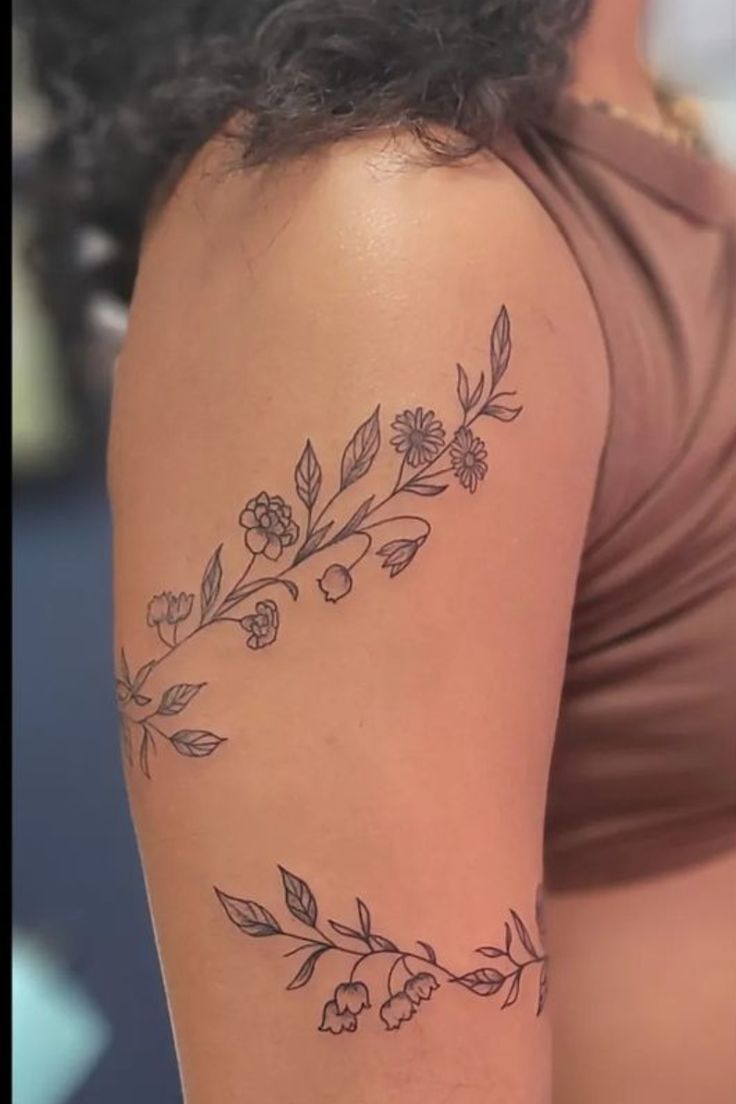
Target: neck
607,58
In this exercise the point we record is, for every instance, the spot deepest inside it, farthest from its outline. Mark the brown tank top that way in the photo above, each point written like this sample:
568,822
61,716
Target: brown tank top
644,770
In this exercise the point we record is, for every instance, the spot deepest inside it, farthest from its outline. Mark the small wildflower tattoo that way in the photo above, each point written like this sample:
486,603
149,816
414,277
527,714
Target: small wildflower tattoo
468,455
262,626
419,436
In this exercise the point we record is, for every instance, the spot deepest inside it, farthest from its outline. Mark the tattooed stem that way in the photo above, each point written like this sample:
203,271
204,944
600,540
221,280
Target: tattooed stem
364,955
313,525
156,663
432,965
325,941
236,597
529,962
399,517
299,949
423,469
366,548
159,732
399,477
399,961
227,602
327,938
415,477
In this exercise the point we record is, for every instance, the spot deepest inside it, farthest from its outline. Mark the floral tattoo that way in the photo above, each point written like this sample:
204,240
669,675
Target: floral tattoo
271,534
407,977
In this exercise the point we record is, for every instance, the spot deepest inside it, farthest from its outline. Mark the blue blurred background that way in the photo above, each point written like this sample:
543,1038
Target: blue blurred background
90,1021
90,1015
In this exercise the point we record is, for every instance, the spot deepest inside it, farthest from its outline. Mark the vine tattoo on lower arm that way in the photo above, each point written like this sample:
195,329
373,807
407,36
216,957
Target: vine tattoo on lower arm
400,978
426,454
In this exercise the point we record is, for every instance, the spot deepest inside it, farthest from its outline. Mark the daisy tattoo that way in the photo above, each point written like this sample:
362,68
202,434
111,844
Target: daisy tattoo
398,980
272,535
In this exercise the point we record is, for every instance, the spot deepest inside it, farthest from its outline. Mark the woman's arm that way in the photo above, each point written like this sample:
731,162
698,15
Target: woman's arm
356,431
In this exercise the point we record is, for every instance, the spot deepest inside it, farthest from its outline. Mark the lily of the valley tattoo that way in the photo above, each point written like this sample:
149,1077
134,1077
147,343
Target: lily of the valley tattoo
401,979
426,454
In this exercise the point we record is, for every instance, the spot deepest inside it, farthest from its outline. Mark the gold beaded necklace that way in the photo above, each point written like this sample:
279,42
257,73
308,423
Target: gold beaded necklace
680,124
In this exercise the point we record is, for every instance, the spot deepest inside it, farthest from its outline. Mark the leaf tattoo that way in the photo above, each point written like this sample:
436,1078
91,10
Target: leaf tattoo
361,450
124,668
312,543
381,943
364,916
463,388
211,582
147,745
176,698
523,934
272,535
421,973
426,490
466,399
299,898
141,677
500,346
343,929
502,413
513,993
305,971
354,523
308,477
543,989
483,982
195,743
249,916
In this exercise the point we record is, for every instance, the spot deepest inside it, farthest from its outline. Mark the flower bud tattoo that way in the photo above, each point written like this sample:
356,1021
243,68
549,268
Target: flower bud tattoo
336,583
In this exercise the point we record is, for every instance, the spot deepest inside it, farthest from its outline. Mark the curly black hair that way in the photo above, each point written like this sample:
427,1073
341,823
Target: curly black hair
136,86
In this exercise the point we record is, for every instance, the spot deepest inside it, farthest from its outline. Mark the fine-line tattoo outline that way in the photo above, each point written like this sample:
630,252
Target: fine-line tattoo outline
269,528
403,998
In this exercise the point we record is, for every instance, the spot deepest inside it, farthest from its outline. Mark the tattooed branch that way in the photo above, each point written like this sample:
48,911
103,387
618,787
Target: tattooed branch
271,535
407,977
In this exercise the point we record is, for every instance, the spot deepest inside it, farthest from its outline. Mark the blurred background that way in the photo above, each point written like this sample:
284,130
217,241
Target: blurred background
90,1022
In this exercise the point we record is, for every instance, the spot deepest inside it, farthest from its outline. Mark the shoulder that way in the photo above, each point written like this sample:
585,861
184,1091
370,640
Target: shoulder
366,240
371,215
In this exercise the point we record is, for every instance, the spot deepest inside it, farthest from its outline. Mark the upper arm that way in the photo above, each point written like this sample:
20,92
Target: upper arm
368,703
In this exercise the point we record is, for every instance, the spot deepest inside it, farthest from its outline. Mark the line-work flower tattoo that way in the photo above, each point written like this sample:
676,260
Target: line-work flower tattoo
271,535
406,978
